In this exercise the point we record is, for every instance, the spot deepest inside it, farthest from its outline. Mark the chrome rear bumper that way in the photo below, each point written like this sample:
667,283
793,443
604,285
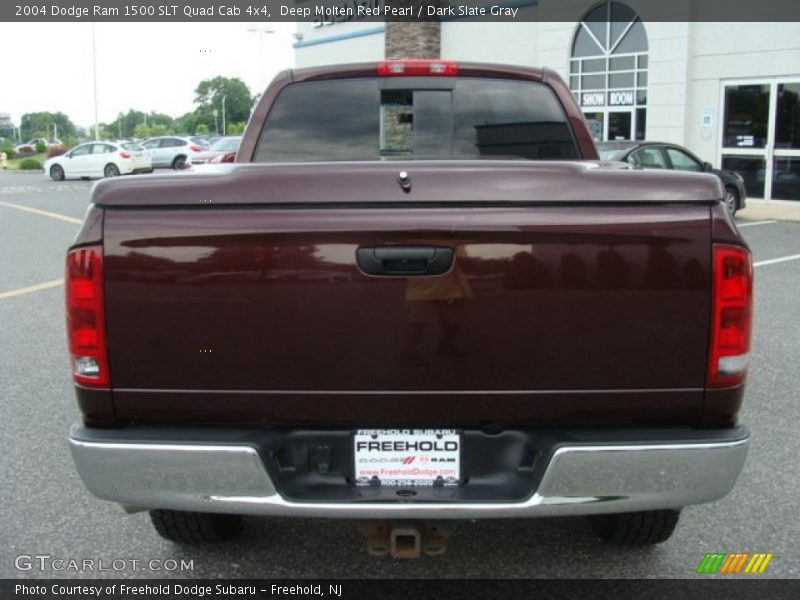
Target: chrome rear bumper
579,479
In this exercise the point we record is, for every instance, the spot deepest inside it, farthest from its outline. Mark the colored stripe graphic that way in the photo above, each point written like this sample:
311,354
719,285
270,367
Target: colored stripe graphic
741,562
758,563
711,562
732,563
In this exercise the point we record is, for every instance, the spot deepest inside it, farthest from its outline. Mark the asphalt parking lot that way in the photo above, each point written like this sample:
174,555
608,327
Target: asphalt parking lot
46,510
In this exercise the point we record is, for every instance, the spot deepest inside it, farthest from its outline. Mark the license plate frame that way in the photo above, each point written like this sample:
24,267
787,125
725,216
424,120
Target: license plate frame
407,457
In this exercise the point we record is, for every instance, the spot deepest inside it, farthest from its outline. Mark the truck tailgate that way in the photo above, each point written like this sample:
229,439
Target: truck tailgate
576,313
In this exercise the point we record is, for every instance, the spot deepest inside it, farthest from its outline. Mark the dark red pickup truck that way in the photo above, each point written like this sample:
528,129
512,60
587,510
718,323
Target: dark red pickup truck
416,296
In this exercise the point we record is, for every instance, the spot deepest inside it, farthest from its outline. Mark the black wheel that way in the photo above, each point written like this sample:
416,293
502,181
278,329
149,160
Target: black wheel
195,528
179,162
636,529
56,173
732,199
111,170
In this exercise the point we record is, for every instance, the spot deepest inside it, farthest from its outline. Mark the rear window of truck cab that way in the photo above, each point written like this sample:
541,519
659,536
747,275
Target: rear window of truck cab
363,119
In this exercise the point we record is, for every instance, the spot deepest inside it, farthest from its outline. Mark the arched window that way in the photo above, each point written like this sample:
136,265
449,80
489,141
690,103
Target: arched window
608,71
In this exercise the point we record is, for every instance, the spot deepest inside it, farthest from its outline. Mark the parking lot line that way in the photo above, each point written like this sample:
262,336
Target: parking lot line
751,223
31,288
44,213
773,261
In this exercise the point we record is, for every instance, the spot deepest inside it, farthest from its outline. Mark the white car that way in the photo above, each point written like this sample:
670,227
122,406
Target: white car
99,159
173,151
35,141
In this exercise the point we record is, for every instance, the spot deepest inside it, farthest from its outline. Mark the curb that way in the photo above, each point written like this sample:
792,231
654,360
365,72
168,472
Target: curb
778,211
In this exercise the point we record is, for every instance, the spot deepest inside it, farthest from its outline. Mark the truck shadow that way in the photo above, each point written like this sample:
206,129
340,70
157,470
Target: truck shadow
294,548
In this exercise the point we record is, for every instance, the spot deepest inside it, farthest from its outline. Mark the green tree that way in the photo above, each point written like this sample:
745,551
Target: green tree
236,128
127,122
155,118
208,97
108,131
40,124
188,122
133,119
159,129
142,131
201,129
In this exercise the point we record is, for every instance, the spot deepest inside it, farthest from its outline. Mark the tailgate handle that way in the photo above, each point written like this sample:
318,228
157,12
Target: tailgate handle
404,261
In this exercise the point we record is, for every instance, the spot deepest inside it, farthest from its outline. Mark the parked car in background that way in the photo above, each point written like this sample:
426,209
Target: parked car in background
202,141
222,148
35,141
658,155
99,159
172,151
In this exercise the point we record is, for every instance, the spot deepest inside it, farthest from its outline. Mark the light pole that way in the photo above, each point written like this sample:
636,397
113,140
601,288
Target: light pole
216,129
261,30
119,125
94,70
223,113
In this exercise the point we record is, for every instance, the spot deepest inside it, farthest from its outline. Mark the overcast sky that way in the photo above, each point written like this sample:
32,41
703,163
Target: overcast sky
145,66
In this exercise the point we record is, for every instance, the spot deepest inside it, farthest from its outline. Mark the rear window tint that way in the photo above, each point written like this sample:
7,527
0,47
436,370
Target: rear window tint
356,120
132,146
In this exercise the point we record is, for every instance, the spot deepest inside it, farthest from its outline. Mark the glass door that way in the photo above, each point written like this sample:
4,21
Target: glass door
785,176
745,127
620,125
761,136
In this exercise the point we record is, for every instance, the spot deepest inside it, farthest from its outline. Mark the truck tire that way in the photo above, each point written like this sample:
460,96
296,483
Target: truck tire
195,528
636,529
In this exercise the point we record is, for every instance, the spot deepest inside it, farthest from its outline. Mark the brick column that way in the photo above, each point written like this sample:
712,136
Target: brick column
417,39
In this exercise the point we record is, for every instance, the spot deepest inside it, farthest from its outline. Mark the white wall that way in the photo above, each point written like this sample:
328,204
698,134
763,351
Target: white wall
555,45
667,80
366,48
510,43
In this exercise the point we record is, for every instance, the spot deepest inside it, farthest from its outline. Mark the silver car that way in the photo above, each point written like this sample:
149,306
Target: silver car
172,151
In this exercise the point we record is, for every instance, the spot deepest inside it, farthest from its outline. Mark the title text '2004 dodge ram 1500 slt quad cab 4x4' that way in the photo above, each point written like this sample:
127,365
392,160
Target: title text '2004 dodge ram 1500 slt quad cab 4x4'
424,299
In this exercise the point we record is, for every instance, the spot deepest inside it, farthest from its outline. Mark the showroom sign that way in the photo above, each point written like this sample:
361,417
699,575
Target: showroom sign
617,98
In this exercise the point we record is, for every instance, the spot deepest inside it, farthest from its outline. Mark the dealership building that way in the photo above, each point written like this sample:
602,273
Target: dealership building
728,91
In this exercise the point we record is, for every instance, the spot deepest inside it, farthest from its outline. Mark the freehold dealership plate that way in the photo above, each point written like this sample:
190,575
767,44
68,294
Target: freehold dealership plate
407,457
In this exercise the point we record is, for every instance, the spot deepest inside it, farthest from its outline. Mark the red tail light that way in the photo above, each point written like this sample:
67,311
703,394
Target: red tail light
731,316
224,158
86,330
417,67
124,154
194,148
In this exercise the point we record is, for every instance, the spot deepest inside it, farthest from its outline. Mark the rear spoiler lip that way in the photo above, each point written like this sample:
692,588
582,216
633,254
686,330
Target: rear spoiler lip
447,182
